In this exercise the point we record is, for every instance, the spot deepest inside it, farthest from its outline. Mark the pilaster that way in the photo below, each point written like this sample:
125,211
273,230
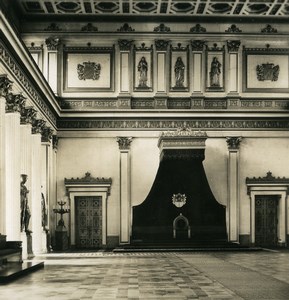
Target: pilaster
125,189
233,48
197,49
233,188
50,63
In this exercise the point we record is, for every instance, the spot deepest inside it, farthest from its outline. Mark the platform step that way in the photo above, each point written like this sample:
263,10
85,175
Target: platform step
13,270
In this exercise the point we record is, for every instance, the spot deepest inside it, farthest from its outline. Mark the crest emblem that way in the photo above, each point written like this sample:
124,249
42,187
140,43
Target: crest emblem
267,72
179,199
88,70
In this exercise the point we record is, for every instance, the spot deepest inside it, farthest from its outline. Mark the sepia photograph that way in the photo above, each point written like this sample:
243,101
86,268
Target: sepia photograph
144,149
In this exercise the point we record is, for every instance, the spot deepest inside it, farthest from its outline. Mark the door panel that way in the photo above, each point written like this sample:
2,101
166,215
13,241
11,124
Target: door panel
88,222
266,220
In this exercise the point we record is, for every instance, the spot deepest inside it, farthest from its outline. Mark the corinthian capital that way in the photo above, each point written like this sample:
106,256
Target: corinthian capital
37,126
14,103
27,115
5,85
46,134
124,142
233,142
52,43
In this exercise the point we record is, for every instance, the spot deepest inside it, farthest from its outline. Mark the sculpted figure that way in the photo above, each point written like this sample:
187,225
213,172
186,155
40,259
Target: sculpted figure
215,72
143,70
179,72
25,211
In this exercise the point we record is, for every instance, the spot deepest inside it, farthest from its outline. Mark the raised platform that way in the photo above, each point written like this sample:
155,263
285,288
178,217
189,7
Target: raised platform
12,270
182,246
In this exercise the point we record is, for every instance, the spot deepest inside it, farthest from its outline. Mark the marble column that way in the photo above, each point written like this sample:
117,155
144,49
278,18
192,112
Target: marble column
14,104
125,189
27,115
36,212
233,208
5,87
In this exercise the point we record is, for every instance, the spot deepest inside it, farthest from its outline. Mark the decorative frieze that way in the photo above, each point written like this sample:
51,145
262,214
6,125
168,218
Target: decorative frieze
162,45
46,134
125,45
125,28
124,142
233,45
52,43
198,45
5,85
162,28
173,124
87,179
27,115
198,29
233,142
14,103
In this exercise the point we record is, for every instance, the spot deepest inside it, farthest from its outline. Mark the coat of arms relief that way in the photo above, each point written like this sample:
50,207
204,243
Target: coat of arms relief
267,71
88,70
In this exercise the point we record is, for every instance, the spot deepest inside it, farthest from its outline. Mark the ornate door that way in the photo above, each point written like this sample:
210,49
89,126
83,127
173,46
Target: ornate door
88,222
266,220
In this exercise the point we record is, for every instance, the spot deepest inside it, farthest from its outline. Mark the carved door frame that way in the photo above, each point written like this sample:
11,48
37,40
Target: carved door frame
270,186
88,186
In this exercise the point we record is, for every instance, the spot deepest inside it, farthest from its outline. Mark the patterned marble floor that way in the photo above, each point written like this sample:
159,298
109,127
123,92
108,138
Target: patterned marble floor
105,275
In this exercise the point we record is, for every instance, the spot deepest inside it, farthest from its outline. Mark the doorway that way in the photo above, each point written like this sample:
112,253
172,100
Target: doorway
88,222
266,220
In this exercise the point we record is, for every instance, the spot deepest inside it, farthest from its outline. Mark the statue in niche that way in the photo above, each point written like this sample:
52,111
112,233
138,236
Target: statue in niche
143,72
215,72
25,211
179,72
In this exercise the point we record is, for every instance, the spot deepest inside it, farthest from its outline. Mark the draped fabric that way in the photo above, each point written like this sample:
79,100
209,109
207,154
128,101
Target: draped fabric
180,172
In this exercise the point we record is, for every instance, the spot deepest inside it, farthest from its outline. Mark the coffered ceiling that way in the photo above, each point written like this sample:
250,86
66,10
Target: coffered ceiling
154,8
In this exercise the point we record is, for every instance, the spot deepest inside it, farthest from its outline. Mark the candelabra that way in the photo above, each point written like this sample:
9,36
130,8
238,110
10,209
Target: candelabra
61,211
61,237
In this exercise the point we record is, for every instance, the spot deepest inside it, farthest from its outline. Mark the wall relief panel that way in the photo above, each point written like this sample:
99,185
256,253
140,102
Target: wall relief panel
88,69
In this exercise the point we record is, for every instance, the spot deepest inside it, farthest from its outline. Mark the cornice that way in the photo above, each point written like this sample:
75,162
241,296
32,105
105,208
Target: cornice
86,180
10,62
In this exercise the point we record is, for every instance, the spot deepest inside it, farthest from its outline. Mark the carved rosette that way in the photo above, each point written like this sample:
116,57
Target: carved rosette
5,85
233,45
37,126
162,28
14,103
161,45
89,28
54,141
198,29
46,134
233,29
53,27
125,28
27,115
198,45
124,142
125,45
52,43
233,142
269,29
